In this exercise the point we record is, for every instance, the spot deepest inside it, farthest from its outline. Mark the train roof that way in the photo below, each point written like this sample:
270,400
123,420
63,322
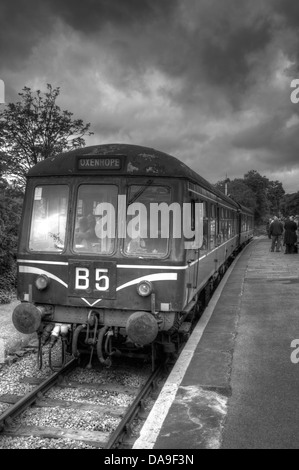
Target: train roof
120,159
244,209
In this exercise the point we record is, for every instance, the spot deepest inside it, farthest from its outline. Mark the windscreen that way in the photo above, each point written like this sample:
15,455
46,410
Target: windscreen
96,213
48,220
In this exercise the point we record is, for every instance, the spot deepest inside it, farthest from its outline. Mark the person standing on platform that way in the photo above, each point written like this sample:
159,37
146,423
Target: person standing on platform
296,220
276,231
290,235
268,227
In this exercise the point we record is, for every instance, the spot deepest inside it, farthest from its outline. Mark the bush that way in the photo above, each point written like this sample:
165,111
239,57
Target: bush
8,280
6,296
10,214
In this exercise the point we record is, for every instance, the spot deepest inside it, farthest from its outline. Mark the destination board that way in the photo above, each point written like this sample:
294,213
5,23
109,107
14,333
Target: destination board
99,163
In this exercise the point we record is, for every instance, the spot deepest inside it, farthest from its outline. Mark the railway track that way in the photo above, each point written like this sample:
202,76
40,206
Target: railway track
111,423
97,419
102,410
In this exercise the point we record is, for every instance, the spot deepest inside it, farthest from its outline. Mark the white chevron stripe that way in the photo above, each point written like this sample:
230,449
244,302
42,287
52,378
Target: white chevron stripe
35,261
33,270
88,303
151,277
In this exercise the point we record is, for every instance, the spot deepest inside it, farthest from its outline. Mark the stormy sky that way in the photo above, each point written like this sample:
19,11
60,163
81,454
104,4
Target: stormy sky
208,81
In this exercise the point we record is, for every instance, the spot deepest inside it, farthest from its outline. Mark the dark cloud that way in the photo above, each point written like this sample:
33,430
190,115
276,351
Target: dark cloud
22,25
228,60
150,33
207,80
89,16
276,141
289,11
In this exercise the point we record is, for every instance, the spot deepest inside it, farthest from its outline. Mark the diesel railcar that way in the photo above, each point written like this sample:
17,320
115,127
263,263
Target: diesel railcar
118,244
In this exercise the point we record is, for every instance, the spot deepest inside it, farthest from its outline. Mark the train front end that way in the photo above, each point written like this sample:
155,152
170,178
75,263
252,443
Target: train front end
96,266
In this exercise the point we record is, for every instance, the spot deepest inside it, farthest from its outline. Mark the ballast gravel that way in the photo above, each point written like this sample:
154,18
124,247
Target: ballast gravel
38,443
99,397
11,376
67,419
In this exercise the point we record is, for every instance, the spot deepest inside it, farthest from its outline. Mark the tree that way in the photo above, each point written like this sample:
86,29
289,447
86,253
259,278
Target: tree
258,184
238,191
11,198
275,193
35,128
258,193
290,204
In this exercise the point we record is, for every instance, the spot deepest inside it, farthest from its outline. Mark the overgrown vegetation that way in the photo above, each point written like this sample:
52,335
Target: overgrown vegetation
31,130
11,199
265,197
35,128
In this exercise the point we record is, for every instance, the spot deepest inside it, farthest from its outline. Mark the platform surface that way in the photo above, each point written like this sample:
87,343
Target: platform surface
236,384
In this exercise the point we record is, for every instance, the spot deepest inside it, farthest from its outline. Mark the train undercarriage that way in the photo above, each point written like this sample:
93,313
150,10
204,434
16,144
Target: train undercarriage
143,336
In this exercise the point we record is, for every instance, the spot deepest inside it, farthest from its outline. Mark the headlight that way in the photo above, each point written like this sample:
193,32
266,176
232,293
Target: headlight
145,288
42,282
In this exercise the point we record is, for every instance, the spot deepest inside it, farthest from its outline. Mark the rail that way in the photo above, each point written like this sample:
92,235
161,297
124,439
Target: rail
32,396
123,429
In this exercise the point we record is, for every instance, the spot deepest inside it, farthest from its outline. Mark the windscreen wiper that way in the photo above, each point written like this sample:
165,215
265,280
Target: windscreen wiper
141,191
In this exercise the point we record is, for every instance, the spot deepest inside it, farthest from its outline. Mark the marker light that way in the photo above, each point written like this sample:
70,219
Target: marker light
42,282
145,288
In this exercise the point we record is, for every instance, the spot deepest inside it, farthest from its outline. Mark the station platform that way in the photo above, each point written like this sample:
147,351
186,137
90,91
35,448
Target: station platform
236,383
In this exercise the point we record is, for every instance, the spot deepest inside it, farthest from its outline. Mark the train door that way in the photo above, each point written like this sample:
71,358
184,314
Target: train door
239,216
218,218
194,245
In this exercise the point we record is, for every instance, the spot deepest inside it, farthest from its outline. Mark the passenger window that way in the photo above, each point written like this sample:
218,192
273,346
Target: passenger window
96,213
204,248
213,226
